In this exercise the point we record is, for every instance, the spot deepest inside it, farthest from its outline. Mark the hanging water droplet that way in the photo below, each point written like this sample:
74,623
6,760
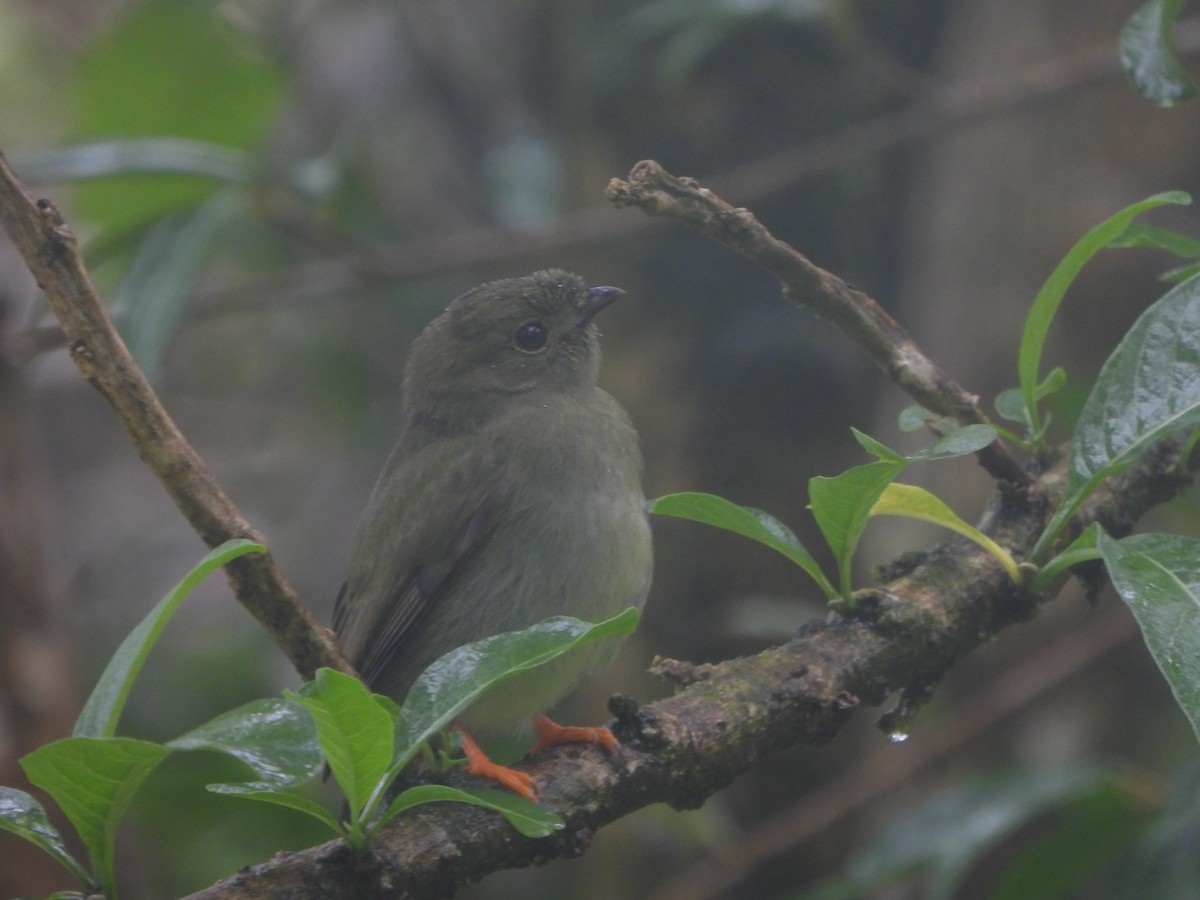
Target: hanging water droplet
894,723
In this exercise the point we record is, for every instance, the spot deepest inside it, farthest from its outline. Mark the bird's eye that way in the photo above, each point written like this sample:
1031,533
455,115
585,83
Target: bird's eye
530,337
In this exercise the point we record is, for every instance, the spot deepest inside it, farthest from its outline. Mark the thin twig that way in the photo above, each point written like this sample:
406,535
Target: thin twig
52,255
659,193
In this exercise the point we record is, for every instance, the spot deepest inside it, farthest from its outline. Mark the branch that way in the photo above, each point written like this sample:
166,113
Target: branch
52,255
883,771
659,193
903,636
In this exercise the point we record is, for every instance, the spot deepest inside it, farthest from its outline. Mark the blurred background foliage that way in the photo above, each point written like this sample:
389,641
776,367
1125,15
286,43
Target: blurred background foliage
275,196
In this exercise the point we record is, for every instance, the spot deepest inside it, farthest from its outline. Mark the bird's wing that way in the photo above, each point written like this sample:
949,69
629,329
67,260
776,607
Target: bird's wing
412,540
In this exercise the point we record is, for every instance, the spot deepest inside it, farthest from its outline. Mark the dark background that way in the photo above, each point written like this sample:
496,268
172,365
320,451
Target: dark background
407,151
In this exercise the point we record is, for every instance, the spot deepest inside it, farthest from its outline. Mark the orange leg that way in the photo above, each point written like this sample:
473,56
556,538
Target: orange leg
551,734
479,764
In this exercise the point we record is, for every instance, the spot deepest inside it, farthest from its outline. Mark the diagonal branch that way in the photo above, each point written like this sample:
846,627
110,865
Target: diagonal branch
52,255
659,193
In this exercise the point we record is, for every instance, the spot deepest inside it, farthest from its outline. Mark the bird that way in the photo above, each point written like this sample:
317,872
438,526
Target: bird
513,494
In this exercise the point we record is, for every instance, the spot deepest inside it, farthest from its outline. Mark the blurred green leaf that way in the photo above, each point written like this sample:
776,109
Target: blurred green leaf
92,780
169,69
23,815
524,176
914,502
914,418
166,267
1045,305
1163,863
1148,54
746,521
165,155
1158,576
1011,406
1075,848
691,29
527,817
107,701
276,738
1148,389
954,828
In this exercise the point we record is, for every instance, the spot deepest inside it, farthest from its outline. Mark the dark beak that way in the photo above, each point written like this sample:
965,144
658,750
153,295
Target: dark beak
597,298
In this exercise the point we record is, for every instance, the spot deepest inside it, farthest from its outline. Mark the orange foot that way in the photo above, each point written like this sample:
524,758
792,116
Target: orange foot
551,734
479,764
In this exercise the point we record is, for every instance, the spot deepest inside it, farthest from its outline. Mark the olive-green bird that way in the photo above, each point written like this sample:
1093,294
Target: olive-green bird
513,494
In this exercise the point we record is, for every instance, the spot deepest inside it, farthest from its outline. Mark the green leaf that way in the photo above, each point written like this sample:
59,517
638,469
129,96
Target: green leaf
1151,236
166,268
276,738
459,678
876,448
915,417
270,792
1082,549
103,708
1010,403
356,734
1183,273
169,69
1011,406
914,502
92,780
746,521
1045,305
1148,388
22,814
841,504
960,442
1052,383
1158,576
527,817
1148,56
